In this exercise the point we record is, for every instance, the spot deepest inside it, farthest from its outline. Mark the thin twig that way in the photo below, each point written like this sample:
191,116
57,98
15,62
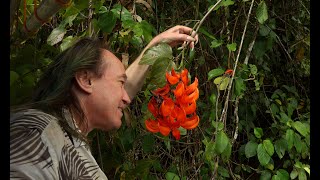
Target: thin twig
225,108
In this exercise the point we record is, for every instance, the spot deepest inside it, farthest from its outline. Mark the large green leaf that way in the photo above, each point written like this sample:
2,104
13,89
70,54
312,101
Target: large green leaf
232,47
161,51
263,155
157,76
107,22
227,152
221,142
281,175
215,72
268,146
302,175
262,12
302,128
280,147
251,149
290,138
223,172
56,35
297,142
125,14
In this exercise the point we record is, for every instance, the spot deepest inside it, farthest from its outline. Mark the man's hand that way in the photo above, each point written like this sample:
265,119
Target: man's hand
174,36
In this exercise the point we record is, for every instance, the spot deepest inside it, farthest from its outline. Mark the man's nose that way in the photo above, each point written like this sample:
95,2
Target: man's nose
126,97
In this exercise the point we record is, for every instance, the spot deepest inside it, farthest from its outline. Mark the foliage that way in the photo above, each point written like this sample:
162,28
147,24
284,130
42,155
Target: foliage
255,124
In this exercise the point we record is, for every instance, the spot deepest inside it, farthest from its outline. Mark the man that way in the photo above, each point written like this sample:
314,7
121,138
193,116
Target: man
86,87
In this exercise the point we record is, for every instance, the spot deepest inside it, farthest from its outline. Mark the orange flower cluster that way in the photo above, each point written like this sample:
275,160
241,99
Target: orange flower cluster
172,110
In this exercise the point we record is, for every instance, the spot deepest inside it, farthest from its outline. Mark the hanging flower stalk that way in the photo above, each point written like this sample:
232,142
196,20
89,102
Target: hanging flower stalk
174,105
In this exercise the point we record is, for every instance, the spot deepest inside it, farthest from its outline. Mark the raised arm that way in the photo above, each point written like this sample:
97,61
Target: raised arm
137,73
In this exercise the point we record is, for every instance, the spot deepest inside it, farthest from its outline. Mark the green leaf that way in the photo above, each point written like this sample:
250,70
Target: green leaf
222,82
284,118
227,2
56,35
258,132
274,109
215,72
302,175
162,50
216,43
172,176
251,149
267,144
227,152
280,147
13,77
302,128
148,143
282,174
232,47
183,131
265,175
294,173
263,156
107,22
253,69
223,171
290,138
67,42
125,14
297,142
218,125
157,76
240,87
221,142
213,99
262,12
264,30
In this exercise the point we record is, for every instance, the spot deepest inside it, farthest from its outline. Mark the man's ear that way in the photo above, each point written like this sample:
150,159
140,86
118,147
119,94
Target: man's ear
83,78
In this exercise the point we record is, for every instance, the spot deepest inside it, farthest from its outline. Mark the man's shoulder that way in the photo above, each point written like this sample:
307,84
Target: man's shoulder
31,119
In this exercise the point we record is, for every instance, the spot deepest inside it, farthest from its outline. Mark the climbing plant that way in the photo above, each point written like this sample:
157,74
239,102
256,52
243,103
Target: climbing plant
252,65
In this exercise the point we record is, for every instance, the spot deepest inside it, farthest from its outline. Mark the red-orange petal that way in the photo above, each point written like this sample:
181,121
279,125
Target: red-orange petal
166,107
229,71
190,98
190,108
164,130
192,87
184,76
152,106
179,90
162,91
152,125
191,123
176,133
173,78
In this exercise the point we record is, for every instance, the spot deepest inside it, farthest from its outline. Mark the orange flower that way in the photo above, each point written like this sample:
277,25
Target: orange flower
177,108
229,72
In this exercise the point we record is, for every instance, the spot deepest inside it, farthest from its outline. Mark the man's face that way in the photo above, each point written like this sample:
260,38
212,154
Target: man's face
108,97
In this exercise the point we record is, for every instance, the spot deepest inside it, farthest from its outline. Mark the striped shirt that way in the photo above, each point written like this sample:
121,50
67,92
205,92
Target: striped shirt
40,149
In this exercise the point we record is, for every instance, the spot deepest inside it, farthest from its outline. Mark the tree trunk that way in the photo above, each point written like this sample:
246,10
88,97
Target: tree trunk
14,6
45,11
